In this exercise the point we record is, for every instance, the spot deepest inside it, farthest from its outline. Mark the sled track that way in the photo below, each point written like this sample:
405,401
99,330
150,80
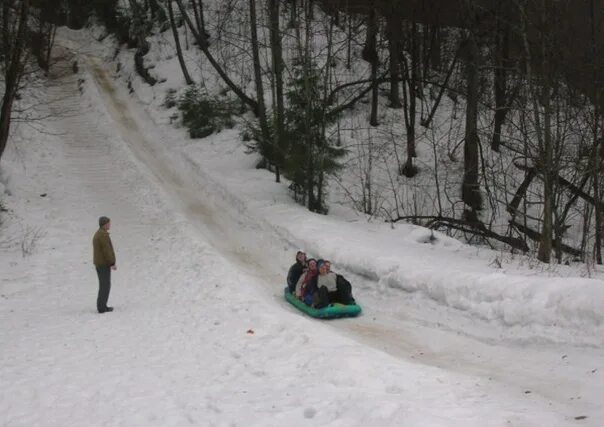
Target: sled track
224,220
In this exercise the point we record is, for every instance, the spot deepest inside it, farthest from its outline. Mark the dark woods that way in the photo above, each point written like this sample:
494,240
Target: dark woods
485,116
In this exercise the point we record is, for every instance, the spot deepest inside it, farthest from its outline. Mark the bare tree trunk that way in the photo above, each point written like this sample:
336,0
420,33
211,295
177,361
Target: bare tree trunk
311,178
415,61
349,43
545,246
52,32
327,77
373,120
155,8
199,16
431,56
542,107
138,14
500,81
470,187
293,14
410,101
181,60
394,46
596,170
258,71
370,54
598,140
435,47
277,65
14,58
426,122
41,41
597,218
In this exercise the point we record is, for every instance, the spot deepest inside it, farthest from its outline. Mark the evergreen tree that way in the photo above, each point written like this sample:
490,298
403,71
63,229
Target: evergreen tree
311,155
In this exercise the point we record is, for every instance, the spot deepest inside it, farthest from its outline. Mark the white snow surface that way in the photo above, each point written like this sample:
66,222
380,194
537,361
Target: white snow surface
450,335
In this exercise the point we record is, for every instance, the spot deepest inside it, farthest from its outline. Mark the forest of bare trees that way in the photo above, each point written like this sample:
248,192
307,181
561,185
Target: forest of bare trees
474,117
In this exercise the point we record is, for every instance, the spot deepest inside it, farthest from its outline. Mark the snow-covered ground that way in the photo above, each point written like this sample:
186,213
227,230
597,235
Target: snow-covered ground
201,335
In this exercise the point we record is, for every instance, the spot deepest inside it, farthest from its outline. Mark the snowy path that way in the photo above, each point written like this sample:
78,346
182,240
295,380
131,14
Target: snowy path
561,375
200,335
79,357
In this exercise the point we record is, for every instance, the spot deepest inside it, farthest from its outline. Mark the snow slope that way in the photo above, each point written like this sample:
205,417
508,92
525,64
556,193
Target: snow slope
201,335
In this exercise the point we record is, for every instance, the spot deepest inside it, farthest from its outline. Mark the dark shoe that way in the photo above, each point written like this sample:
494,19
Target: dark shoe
106,309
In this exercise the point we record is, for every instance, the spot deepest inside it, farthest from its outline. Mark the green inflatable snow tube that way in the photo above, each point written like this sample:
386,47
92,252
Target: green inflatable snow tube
332,311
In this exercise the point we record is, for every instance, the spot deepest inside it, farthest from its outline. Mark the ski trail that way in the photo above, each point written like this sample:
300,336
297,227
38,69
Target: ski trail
95,178
187,197
215,214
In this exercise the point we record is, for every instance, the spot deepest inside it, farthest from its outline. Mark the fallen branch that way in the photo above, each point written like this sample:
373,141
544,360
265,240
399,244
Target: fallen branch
475,228
536,237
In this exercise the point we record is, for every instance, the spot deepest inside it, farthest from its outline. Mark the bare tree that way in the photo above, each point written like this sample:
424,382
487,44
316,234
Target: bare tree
181,60
597,152
370,54
277,69
500,80
410,82
197,6
202,42
14,25
393,28
542,97
140,29
258,70
470,187
42,39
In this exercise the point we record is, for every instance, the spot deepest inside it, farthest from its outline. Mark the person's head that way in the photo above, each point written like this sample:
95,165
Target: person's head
328,265
301,257
322,267
312,265
104,223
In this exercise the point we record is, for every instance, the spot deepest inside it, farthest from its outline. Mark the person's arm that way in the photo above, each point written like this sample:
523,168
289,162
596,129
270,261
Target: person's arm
108,251
289,275
299,286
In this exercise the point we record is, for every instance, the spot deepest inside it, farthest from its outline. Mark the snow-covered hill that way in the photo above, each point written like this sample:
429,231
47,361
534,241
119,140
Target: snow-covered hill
200,334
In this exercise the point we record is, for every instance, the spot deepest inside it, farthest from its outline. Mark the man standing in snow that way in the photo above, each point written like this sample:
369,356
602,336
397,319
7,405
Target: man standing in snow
104,261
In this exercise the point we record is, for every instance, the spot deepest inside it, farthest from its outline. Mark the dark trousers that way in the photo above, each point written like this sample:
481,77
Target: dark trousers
104,274
343,295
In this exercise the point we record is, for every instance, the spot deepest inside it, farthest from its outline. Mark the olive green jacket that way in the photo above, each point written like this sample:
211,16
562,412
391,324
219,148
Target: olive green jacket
103,255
